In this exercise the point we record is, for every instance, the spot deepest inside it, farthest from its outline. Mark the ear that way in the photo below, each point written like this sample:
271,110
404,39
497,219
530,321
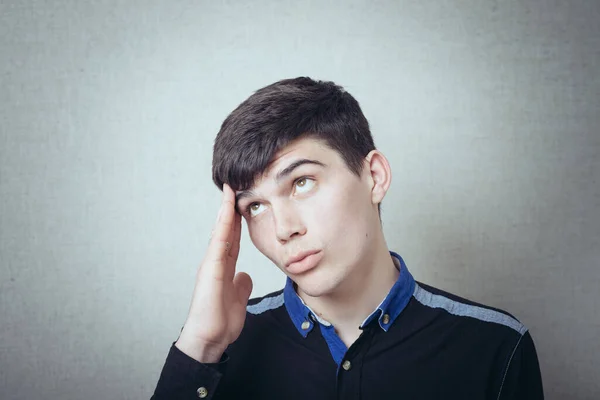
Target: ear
379,175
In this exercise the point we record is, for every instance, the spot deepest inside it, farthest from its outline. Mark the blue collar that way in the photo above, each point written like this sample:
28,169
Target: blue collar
398,297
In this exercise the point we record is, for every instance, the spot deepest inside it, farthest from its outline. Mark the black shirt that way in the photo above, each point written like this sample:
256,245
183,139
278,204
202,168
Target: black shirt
420,343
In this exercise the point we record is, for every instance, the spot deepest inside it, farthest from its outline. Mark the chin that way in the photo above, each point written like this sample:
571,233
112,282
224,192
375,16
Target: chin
317,284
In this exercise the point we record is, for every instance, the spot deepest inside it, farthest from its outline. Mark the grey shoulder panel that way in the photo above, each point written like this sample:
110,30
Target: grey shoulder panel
466,310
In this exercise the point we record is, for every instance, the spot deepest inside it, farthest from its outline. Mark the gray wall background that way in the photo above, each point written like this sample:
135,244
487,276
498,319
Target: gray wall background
487,110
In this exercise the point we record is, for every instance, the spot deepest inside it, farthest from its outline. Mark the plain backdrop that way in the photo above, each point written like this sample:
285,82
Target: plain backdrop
488,111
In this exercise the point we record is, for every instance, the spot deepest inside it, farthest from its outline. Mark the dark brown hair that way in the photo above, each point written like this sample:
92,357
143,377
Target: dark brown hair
279,113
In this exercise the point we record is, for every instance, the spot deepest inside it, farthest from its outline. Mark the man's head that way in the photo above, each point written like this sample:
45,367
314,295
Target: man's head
301,159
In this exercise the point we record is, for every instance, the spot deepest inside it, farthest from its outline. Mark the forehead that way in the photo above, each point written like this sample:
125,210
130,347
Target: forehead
304,147
309,148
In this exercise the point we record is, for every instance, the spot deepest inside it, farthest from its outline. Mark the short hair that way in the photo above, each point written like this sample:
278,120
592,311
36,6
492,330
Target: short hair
280,113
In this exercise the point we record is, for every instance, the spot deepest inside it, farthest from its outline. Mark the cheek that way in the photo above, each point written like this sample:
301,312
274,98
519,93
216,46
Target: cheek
343,218
260,239
255,238
328,213
338,203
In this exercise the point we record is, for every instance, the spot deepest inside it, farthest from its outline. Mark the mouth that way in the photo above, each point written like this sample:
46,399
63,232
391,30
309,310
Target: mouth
304,262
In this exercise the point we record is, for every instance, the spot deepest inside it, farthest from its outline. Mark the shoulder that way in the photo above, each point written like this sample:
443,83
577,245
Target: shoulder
265,304
465,309
266,317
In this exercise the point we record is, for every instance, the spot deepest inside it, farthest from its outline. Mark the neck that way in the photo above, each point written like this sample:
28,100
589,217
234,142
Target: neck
357,297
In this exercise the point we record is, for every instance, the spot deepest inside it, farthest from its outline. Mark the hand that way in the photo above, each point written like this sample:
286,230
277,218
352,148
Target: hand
218,309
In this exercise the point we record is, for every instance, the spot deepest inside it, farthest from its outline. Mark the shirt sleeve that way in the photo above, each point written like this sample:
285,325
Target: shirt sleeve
184,378
522,378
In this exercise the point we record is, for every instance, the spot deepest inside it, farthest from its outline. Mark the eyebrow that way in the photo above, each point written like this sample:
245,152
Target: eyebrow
280,176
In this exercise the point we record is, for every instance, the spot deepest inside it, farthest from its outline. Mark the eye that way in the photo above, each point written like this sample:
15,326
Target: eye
304,184
253,208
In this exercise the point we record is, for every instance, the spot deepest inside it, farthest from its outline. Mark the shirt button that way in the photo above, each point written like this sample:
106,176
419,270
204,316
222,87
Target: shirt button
202,392
347,365
305,325
386,319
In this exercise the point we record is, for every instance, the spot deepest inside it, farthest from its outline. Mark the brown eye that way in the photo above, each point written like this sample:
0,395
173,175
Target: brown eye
252,207
304,184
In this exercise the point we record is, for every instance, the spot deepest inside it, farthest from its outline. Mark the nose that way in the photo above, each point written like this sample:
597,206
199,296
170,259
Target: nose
288,222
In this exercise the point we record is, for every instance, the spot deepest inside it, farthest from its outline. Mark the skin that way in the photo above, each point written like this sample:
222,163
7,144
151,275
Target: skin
333,211
323,208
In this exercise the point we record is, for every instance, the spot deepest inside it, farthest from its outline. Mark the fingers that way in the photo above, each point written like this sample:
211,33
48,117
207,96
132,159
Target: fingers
243,286
218,247
235,237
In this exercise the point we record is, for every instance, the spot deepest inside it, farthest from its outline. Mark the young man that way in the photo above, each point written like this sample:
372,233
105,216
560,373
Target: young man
297,161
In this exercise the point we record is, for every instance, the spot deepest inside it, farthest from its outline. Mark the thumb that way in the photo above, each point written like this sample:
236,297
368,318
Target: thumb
243,287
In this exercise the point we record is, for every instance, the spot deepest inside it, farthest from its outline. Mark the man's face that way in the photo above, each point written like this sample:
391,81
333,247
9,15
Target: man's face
316,206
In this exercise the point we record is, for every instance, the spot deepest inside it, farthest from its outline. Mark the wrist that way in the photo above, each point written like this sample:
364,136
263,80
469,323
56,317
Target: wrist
200,351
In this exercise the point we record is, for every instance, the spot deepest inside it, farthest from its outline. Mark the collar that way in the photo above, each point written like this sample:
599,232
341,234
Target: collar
386,313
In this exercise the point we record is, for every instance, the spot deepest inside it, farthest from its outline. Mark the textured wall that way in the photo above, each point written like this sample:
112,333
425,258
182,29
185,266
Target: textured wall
487,110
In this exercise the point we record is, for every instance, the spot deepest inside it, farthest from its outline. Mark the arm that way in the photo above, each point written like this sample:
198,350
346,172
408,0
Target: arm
182,377
216,316
522,378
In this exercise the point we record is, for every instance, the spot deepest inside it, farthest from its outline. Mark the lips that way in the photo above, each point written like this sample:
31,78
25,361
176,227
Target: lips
300,257
304,262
